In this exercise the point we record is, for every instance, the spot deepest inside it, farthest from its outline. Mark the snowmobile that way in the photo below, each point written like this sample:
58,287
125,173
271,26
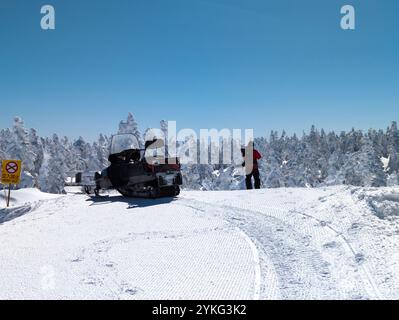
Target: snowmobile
135,172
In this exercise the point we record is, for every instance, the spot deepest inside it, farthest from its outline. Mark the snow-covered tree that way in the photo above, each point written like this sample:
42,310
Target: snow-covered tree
364,167
19,148
53,172
102,151
130,126
81,151
393,148
38,150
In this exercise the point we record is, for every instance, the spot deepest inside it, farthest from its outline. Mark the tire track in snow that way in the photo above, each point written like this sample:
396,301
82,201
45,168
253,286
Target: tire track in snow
255,253
272,291
266,268
301,270
368,278
371,289
368,283
291,260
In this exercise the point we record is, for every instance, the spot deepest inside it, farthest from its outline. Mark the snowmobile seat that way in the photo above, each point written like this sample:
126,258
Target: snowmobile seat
134,155
113,158
131,155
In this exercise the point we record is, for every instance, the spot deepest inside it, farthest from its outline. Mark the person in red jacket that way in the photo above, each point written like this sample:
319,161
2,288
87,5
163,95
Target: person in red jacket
254,170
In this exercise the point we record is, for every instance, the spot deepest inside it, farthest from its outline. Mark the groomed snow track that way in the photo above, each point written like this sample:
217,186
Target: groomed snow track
267,244
294,264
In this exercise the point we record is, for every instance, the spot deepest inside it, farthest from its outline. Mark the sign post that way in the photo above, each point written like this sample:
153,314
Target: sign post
9,194
10,174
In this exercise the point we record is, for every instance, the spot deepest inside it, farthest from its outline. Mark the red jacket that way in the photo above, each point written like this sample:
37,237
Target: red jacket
256,156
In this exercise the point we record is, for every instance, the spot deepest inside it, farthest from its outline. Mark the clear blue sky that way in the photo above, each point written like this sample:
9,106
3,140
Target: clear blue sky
262,64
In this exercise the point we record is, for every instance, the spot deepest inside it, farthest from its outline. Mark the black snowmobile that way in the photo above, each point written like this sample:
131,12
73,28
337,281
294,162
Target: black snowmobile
136,172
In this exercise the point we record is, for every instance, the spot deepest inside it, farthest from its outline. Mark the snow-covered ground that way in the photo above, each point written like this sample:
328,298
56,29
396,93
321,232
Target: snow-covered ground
21,202
327,243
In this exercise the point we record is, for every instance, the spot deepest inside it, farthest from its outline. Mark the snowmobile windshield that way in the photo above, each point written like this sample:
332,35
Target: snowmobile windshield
122,142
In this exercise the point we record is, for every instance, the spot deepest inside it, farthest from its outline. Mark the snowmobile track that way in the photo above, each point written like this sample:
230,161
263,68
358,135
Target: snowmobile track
374,291
293,254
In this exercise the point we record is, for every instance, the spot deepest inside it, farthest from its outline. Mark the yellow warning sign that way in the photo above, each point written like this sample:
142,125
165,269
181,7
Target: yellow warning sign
10,171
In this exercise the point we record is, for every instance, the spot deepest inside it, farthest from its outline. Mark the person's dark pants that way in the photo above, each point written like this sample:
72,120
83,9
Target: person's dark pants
248,179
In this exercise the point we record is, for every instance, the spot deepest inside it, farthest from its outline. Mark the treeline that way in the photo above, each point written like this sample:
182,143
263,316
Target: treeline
315,159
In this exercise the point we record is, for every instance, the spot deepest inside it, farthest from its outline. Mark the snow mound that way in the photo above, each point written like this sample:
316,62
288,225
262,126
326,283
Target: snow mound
24,196
384,202
8,214
21,202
